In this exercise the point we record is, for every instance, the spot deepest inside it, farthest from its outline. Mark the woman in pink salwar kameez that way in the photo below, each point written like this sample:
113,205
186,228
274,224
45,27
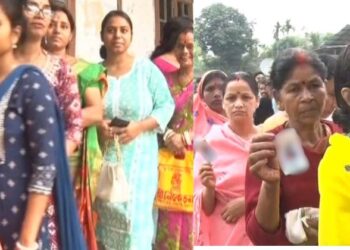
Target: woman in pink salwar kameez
219,186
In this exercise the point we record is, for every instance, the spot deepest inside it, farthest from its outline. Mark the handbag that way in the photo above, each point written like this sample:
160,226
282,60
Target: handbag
175,184
112,185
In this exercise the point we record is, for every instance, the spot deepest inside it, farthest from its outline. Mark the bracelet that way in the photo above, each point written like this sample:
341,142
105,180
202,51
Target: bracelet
21,247
169,133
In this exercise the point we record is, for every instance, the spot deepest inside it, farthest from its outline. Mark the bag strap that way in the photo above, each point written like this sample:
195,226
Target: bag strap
116,144
13,77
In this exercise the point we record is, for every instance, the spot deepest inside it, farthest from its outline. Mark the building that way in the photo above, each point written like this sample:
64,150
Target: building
336,43
148,16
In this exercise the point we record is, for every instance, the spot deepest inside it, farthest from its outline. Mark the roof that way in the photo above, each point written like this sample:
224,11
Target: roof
339,39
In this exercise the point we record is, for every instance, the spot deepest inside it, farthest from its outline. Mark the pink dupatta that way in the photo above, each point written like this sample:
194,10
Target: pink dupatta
229,169
204,117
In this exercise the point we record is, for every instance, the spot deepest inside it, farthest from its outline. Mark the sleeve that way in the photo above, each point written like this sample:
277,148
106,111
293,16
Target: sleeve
255,232
70,102
40,125
163,103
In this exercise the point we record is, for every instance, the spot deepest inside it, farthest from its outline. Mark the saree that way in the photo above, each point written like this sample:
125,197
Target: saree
204,117
174,229
229,170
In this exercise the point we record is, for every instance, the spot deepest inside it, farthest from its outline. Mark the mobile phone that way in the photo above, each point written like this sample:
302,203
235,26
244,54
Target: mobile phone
202,147
290,153
118,122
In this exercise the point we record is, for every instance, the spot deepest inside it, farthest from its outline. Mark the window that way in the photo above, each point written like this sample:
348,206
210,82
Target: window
119,5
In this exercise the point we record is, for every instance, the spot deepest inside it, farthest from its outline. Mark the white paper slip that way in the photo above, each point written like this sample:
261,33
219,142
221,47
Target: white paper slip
202,147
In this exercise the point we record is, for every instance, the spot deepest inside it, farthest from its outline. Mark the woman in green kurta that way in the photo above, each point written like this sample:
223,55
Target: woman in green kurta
85,162
137,92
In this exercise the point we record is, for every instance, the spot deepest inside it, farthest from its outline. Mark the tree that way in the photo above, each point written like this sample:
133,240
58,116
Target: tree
225,33
276,32
287,27
199,64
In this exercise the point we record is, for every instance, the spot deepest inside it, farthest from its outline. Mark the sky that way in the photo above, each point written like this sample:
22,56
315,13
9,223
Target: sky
321,16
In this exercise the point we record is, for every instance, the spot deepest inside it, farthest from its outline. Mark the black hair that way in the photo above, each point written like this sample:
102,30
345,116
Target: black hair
288,59
248,78
264,111
210,76
330,62
13,11
342,80
111,14
57,8
171,32
258,73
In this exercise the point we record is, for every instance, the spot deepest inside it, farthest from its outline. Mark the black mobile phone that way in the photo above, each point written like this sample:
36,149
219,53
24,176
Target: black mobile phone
117,122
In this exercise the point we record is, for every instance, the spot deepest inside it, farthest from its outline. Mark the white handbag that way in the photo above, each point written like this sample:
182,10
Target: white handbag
112,184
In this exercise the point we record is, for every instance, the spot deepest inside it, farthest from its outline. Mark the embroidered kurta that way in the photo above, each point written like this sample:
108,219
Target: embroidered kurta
139,94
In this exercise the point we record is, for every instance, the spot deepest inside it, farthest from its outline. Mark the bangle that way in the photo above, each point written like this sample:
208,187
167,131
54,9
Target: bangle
169,133
21,247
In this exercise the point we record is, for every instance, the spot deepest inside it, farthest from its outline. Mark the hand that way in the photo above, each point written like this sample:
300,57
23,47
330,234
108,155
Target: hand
311,231
176,145
106,130
262,160
128,133
207,176
233,210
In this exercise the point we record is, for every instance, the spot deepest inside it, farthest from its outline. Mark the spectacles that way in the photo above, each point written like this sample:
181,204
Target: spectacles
36,10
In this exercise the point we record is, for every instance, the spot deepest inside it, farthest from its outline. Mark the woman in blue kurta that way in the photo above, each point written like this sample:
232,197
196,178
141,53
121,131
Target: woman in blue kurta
137,92
33,163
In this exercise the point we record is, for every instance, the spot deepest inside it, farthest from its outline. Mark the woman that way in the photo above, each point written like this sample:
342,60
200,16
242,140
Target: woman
91,81
298,77
175,224
207,107
33,166
333,172
163,55
59,36
219,186
37,15
138,93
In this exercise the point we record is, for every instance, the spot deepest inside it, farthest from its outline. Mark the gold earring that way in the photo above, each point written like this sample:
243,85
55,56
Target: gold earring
14,46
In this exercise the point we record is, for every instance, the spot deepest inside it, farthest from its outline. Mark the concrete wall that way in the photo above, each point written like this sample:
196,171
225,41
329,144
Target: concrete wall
89,14
142,13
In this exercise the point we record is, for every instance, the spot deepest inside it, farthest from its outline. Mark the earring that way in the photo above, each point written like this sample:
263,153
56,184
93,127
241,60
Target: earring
14,46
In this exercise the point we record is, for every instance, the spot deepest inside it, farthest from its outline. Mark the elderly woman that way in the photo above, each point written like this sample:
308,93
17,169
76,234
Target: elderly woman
298,79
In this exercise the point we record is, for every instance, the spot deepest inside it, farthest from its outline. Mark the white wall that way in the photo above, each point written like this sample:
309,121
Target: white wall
142,14
89,15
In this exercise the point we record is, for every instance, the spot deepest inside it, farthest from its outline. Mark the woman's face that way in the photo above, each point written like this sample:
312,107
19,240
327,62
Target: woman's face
9,36
117,35
184,49
38,16
213,94
59,33
303,95
239,102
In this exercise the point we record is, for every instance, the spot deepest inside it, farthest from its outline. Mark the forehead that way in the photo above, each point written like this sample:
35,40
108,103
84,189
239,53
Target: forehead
187,37
118,21
238,87
302,73
39,2
60,15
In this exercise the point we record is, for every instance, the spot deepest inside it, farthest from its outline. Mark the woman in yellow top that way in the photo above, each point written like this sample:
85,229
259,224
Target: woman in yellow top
334,169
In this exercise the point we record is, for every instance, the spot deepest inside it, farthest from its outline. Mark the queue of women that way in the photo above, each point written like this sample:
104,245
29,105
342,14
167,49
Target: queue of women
60,142
242,196
100,156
